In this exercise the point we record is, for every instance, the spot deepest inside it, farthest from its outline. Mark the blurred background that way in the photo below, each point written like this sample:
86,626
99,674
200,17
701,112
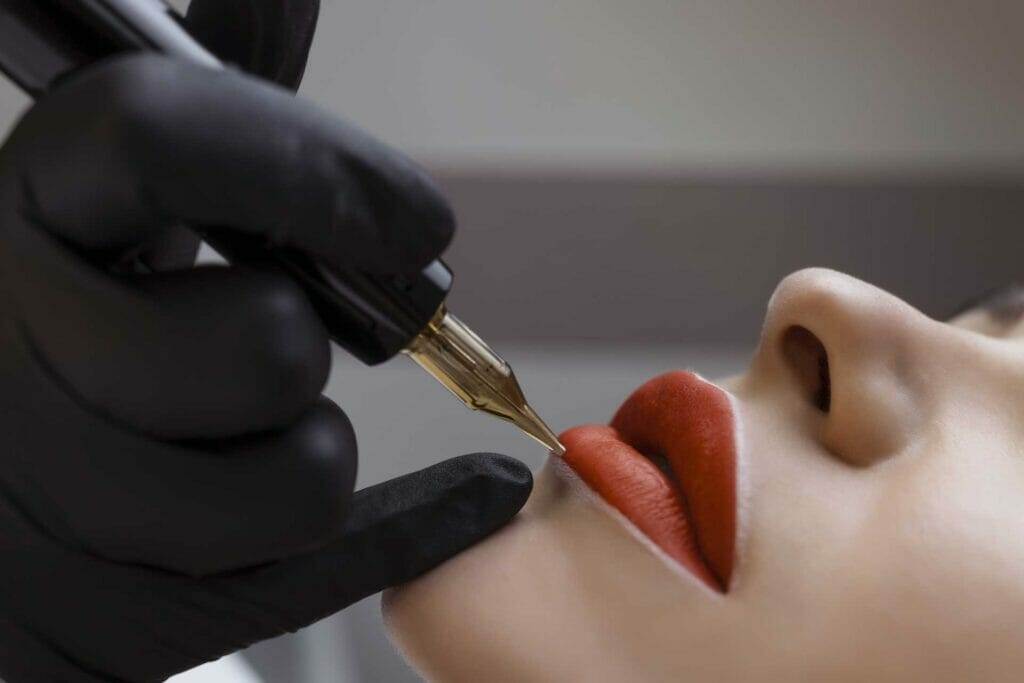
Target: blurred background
631,181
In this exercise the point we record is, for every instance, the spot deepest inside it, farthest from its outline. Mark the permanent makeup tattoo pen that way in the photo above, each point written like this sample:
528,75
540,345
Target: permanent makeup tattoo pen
374,317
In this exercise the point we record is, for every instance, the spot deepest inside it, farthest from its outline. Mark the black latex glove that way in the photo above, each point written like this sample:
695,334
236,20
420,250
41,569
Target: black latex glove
172,485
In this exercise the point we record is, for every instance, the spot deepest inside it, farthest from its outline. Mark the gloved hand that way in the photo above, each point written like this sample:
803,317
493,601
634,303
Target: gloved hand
172,485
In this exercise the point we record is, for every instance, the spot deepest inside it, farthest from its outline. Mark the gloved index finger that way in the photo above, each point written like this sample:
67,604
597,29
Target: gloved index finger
142,141
395,531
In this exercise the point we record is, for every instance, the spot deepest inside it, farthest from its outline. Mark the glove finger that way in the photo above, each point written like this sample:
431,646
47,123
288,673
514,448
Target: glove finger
395,531
25,656
196,509
71,617
200,353
267,38
233,351
140,143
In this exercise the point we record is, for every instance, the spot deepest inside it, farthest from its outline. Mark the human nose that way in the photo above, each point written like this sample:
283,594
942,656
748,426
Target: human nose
854,355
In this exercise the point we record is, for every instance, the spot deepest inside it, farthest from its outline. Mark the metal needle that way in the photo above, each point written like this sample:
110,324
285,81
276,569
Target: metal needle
461,361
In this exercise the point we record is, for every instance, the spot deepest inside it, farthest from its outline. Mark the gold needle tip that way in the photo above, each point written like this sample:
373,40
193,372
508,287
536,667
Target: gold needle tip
463,363
536,427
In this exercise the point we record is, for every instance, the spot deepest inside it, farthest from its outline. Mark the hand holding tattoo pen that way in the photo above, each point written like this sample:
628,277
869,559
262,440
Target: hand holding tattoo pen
174,485
373,316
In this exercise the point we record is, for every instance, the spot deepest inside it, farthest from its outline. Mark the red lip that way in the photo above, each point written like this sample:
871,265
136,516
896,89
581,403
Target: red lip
689,512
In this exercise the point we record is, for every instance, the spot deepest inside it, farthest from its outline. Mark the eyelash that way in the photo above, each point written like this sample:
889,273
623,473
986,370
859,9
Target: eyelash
1005,304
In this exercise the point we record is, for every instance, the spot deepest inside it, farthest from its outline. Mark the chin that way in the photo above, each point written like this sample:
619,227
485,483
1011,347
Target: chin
539,599
457,622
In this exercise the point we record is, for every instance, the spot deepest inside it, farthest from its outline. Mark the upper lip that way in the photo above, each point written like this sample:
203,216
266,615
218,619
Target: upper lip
668,463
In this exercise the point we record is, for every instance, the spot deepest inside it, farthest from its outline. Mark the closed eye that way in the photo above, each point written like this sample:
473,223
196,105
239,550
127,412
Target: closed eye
1003,305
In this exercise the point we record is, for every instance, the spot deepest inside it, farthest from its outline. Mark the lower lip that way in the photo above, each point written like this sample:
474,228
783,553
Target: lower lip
691,513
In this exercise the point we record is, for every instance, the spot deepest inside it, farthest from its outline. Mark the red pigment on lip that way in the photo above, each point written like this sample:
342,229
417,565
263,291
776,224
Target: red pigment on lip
690,422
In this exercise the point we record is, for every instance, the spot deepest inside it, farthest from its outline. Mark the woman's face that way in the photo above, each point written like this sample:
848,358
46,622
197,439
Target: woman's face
852,507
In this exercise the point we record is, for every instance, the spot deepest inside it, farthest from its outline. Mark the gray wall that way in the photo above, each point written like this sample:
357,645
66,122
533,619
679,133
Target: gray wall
693,259
677,83
721,83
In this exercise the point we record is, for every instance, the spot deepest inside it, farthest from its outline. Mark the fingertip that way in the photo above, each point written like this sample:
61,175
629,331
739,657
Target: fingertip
438,218
319,494
400,220
507,481
478,493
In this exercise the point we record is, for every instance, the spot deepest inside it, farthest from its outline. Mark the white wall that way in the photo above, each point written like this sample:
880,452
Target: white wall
676,83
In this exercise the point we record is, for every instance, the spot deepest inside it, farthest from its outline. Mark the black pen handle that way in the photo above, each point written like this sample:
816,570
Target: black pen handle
372,316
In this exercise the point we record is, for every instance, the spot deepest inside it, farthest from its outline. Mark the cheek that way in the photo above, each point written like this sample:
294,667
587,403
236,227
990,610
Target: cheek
862,568
475,613
942,556
958,515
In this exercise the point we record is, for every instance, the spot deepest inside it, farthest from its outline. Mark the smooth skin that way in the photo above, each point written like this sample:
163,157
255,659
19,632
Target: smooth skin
880,539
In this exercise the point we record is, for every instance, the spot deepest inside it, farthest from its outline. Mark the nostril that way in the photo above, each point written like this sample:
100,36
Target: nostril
808,360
